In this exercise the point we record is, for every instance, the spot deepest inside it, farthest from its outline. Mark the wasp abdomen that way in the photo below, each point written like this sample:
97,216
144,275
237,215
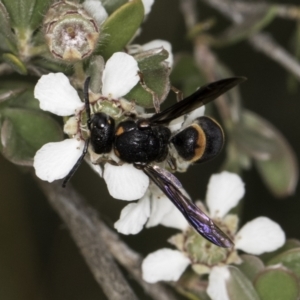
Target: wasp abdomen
199,142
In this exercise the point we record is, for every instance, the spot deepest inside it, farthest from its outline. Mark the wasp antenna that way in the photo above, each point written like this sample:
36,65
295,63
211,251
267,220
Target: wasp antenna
87,100
78,163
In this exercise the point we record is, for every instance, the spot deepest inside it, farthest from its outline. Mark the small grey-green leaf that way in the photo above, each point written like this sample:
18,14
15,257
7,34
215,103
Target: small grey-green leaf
23,132
19,94
112,5
49,65
95,71
7,38
151,59
273,156
290,259
186,75
25,100
15,63
239,286
250,266
26,14
7,94
288,245
277,284
120,27
157,80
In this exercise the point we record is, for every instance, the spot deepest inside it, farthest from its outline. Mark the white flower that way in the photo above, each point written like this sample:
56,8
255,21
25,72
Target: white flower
256,237
216,288
96,10
55,160
147,5
99,14
156,208
169,269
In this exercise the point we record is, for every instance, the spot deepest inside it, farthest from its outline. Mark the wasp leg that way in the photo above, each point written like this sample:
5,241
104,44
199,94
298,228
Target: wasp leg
179,94
87,101
78,163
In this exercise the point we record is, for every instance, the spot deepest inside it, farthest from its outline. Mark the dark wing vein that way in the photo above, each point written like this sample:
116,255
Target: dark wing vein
194,215
201,97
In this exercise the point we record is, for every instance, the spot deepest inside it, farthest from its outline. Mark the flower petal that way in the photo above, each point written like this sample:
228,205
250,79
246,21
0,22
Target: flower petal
176,124
160,206
224,191
120,75
158,44
164,212
125,182
164,264
96,168
134,216
175,219
96,10
259,235
217,283
55,160
147,5
199,112
56,94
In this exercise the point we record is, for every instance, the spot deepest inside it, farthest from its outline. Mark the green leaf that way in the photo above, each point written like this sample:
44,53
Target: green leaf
15,63
290,259
292,79
95,71
48,64
277,284
112,5
26,14
151,59
192,286
186,75
116,34
7,38
239,286
143,97
250,266
288,245
155,74
273,156
8,94
25,100
23,132
18,94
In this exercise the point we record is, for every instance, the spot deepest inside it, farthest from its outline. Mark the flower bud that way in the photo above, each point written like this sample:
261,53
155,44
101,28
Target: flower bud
70,32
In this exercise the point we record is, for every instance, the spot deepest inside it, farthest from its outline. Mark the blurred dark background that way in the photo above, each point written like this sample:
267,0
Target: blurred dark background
38,259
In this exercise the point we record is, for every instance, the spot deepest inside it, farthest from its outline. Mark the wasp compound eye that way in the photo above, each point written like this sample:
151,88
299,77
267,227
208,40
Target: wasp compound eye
199,142
102,133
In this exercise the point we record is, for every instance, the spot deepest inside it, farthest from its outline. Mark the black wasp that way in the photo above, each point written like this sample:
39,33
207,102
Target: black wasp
146,141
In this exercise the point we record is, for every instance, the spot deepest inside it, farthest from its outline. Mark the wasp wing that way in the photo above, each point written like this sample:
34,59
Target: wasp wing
202,96
194,215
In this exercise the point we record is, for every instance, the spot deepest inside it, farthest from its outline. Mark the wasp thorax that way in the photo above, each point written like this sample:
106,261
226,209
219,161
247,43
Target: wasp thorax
71,33
135,144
